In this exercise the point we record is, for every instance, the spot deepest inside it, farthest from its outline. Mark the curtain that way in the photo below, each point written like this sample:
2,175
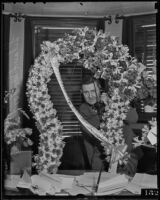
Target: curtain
28,62
5,62
127,34
28,57
16,53
5,58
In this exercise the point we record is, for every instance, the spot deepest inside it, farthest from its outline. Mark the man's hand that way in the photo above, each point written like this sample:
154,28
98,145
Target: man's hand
128,165
114,154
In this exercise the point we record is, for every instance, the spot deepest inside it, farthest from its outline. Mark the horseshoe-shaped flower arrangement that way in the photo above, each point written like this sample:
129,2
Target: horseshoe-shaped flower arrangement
100,53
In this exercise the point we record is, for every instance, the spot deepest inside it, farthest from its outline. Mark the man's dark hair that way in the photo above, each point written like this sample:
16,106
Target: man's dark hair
87,79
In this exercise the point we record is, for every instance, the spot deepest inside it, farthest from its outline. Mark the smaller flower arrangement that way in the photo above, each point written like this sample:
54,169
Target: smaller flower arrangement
13,132
14,135
149,135
148,88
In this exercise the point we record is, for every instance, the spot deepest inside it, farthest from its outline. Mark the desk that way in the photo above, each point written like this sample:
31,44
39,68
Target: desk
23,192
144,117
27,192
149,154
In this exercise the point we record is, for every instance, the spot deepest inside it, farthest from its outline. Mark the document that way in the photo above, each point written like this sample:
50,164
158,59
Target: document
145,180
11,182
25,181
76,189
110,192
52,184
65,181
44,183
90,178
152,135
142,181
117,182
108,181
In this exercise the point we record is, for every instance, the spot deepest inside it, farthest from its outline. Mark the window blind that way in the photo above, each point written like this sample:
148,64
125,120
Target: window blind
145,42
51,30
144,38
71,75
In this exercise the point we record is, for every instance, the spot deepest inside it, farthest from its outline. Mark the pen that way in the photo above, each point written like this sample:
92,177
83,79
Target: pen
99,177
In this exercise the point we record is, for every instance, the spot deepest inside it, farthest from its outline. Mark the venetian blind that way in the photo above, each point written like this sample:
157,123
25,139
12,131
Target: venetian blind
71,76
71,73
145,42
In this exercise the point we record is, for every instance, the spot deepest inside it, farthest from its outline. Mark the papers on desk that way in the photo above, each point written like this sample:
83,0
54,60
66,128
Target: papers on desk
54,184
114,183
43,185
142,181
90,178
152,136
46,183
145,180
109,183
11,182
25,181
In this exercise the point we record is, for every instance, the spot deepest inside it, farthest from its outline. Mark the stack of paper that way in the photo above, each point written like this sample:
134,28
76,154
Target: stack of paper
109,183
25,181
46,183
43,185
11,182
90,178
142,181
145,180
114,183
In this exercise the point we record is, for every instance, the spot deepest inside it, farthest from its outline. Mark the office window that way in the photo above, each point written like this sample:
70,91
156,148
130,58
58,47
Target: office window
71,73
144,40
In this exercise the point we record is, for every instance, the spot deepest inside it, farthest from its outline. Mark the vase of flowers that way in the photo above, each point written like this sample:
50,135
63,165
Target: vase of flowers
14,134
149,135
16,138
147,92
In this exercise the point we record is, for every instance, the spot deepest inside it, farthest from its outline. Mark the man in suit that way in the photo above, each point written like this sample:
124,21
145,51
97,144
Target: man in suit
92,110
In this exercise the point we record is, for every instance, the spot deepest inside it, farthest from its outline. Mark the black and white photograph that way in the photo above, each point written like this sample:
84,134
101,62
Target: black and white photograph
79,100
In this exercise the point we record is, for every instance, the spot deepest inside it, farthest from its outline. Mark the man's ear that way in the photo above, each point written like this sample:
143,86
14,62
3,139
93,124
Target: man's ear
82,96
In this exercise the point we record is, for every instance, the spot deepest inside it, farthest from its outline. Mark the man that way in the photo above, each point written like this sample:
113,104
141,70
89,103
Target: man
92,110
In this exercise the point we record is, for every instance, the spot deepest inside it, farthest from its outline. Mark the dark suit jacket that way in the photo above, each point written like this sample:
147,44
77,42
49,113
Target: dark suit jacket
93,116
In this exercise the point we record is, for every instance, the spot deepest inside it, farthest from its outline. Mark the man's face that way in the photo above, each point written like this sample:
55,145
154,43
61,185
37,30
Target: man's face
91,93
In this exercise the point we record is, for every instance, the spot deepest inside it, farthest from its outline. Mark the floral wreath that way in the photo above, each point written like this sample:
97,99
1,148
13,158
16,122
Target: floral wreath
100,53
